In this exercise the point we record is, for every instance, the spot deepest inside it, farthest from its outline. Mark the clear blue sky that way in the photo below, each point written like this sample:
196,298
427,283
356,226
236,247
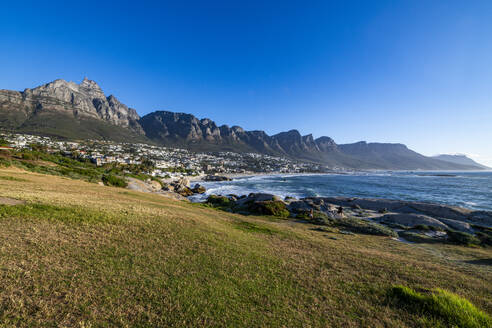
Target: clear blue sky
415,72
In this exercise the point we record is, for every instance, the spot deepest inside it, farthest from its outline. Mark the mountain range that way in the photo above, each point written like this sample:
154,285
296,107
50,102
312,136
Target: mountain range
82,111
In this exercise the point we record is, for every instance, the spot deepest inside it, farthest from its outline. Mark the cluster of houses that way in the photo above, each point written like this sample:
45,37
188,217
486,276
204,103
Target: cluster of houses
167,162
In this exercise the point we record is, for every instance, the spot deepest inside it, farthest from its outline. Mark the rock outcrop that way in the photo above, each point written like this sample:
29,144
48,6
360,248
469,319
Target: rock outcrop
412,221
61,101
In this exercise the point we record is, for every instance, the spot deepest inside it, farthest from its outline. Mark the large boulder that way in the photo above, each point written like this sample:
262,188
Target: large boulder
182,187
438,211
199,189
458,225
481,218
441,211
167,187
216,178
299,206
184,191
256,197
155,185
182,182
411,220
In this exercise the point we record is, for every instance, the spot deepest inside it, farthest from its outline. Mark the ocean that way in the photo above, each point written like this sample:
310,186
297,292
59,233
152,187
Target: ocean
471,190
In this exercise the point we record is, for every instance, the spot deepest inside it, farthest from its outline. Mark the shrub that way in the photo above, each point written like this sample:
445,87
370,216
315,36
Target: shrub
254,227
484,234
112,180
27,156
270,207
443,306
219,201
318,217
485,238
5,162
462,238
365,227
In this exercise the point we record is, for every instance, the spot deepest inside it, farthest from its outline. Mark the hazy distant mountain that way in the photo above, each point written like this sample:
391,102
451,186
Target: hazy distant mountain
82,111
388,156
460,159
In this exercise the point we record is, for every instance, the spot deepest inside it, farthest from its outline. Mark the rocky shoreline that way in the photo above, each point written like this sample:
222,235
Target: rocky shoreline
406,220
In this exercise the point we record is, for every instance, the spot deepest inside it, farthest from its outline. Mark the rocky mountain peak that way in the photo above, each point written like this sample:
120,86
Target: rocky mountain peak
308,138
89,84
326,144
84,100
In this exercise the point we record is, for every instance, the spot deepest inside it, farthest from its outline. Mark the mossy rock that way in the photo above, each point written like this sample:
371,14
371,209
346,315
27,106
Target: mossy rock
271,207
185,192
416,237
219,201
365,227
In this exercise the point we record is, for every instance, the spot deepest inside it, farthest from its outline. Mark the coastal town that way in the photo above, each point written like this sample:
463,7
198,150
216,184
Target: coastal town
166,162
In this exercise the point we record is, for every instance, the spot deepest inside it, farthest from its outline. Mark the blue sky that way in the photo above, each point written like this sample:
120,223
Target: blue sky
415,72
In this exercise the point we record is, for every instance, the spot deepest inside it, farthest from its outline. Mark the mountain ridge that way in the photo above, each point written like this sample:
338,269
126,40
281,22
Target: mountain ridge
70,110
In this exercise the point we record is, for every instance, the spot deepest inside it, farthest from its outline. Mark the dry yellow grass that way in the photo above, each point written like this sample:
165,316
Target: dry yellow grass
80,254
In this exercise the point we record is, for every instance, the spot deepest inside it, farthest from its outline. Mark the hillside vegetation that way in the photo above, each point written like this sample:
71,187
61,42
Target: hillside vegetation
74,253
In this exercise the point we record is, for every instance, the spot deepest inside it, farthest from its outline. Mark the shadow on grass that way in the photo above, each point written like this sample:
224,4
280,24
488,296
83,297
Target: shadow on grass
254,227
480,262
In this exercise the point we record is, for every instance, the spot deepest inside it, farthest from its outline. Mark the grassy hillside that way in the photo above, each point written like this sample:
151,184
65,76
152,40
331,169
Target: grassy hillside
75,253
63,126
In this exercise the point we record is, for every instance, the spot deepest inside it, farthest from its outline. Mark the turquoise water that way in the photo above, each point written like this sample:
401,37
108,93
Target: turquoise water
467,189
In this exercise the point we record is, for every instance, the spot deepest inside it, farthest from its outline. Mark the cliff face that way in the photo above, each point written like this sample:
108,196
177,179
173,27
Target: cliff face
179,128
84,101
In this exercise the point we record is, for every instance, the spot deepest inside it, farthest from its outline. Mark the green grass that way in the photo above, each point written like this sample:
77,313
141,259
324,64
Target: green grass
66,214
441,308
255,227
10,178
79,254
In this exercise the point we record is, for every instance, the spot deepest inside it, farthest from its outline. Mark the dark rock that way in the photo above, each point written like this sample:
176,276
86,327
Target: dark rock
216,178
256,197
457,225
299,206
199,189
